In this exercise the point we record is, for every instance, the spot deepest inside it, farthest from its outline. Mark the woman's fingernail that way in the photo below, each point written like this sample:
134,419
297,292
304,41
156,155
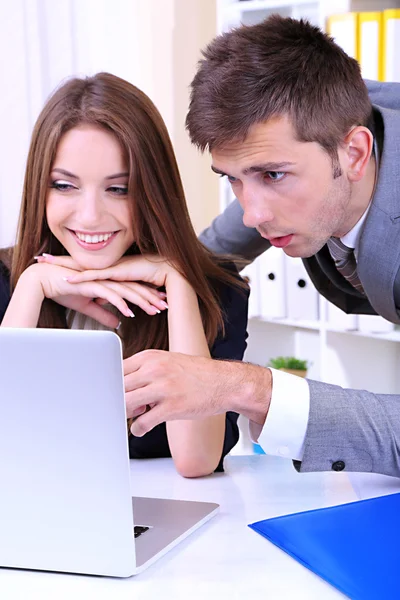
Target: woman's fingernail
130,313
118,326
47,255
66,278
164,304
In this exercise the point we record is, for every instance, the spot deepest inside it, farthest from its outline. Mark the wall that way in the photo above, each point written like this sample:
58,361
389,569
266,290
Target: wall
155,44
195,26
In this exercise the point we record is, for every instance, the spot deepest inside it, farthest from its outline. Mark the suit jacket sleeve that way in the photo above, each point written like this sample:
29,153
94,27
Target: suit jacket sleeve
357,427
228,235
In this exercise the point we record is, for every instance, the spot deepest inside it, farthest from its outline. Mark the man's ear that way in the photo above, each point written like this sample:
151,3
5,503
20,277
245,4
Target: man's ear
358,146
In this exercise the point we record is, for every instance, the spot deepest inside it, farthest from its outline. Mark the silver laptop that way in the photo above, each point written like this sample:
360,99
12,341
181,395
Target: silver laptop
65,490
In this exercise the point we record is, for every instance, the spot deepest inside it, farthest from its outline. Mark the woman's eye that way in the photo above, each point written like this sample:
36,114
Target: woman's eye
274,175
62,186
120,190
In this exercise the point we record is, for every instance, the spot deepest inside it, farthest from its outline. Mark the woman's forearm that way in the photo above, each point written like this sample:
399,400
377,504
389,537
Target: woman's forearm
25,304
196,446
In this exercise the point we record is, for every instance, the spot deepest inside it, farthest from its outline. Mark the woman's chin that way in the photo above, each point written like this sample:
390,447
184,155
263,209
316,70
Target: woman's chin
95,262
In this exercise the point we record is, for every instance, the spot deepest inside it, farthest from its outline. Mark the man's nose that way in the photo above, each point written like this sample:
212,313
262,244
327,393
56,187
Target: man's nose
255,208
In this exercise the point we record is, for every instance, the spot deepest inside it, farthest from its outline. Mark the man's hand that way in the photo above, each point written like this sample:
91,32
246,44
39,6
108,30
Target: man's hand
178,386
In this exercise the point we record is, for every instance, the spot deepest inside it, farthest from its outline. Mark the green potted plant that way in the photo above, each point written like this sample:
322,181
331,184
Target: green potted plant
290,364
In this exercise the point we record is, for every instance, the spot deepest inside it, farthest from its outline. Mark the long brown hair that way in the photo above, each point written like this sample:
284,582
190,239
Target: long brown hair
281,66
160,219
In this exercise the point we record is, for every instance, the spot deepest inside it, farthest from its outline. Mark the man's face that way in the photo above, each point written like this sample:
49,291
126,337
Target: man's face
286,188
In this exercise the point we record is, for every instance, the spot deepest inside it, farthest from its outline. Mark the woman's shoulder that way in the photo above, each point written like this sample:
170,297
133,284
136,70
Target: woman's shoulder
232,287
233,297
4,270
6,255
4,288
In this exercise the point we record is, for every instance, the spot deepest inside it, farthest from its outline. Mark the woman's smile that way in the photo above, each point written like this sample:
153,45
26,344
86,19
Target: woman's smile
93,241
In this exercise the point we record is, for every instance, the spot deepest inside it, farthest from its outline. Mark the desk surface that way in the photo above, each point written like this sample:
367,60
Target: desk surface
224,559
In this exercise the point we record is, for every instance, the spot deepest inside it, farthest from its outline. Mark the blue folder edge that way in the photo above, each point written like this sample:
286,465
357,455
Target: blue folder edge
354,546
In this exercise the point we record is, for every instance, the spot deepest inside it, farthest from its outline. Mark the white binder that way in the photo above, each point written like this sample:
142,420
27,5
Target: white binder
339,320
251,275
301,295
272,284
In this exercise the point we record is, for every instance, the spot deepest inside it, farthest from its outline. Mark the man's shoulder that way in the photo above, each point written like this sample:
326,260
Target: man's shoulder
384,94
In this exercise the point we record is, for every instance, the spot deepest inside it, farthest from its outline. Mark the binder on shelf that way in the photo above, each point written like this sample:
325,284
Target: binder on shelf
352,546
301,296
272,284
251,274
344,29
374,324
391,45
369,51
338,320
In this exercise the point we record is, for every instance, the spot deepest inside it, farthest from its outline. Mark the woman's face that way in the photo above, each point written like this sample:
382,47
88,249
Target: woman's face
88,209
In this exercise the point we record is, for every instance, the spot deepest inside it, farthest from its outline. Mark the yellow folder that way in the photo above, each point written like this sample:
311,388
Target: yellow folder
343,28
391,45
370,37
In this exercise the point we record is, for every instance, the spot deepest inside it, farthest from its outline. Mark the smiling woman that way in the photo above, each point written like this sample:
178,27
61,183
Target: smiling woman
104,235
88,207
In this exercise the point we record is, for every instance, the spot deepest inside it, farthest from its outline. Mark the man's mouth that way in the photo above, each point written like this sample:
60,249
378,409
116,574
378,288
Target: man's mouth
281,241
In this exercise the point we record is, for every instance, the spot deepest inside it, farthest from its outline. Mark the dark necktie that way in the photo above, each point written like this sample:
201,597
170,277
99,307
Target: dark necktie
345,262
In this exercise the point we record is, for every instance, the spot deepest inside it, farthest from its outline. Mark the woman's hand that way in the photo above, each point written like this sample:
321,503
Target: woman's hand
88,297
151,269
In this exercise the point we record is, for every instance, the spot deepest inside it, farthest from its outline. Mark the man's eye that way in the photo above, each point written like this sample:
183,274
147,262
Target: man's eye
120,190
62,186
229,178
274,175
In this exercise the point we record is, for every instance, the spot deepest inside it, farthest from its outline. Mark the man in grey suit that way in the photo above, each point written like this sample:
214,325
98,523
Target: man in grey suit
312,155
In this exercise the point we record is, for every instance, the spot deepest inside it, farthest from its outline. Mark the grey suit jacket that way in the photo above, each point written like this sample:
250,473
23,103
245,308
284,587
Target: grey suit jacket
357,427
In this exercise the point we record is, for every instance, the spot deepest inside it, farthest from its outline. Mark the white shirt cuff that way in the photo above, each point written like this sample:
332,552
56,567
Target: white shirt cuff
284,431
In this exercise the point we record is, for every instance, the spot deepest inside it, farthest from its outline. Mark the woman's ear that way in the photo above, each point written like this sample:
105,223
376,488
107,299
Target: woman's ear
358,147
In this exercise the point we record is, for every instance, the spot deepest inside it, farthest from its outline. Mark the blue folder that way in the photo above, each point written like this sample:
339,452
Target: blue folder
355,547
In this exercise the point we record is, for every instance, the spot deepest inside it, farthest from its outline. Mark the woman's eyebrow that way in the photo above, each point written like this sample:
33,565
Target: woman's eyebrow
72,176
64,172
117,175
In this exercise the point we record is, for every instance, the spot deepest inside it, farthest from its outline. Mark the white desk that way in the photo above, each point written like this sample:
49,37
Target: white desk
224,559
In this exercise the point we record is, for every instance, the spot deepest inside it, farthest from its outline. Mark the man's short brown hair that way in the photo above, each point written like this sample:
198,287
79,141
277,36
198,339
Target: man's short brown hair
281,66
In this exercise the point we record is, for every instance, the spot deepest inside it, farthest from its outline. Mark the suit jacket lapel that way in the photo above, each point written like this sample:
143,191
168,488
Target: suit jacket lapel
333,286
378,259
379,250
